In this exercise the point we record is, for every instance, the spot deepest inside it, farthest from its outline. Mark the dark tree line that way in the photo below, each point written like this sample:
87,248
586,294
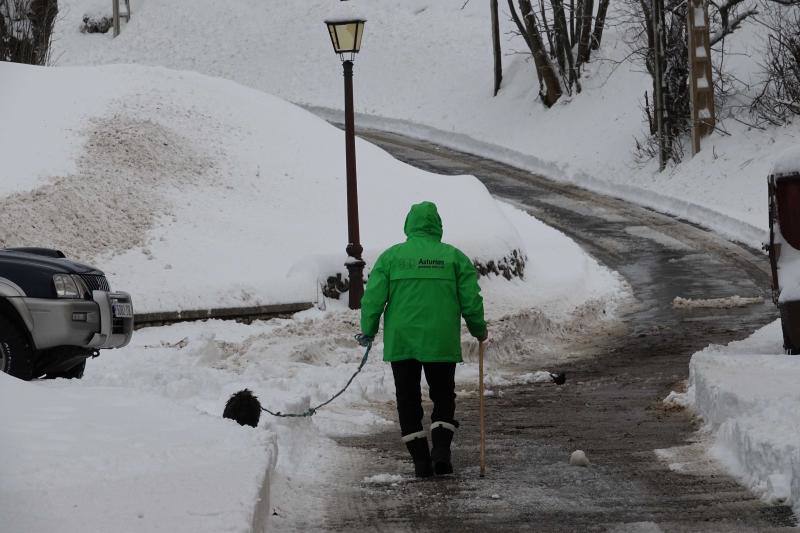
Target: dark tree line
26,28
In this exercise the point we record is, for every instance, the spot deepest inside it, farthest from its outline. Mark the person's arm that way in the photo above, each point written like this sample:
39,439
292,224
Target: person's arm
469,296
375,296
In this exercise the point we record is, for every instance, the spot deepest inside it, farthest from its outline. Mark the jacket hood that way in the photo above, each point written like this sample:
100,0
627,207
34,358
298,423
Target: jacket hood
423,221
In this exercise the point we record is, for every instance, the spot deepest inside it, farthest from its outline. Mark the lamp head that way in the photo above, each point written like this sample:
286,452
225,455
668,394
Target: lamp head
346,36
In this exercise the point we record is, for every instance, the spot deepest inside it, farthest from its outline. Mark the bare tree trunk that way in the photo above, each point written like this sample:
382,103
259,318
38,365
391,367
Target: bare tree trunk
576,38
549,87
599,24
524,32
498,58
572,23
650,58
563,42
561,38
43,17
586,32
547,31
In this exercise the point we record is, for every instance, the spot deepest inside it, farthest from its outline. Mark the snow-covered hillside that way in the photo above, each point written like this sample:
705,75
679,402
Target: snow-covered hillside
426,65
201,193
223,194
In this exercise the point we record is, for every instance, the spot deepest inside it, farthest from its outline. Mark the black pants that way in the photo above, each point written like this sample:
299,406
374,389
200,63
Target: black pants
441,382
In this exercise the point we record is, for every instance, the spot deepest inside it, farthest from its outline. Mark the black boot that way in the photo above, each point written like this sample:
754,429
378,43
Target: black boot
442,436
421,455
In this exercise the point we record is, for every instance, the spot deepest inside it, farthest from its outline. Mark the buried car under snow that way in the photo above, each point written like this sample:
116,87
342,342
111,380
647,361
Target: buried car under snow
56,313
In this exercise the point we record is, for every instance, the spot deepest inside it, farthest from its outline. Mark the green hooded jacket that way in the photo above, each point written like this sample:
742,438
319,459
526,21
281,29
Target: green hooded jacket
424,287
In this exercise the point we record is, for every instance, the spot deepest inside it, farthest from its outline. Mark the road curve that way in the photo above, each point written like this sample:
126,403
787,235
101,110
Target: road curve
611,406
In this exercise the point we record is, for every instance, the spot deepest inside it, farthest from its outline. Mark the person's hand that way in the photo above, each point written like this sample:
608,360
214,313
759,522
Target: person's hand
364,340
484,339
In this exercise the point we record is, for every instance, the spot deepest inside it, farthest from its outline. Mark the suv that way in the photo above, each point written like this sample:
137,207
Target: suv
56,313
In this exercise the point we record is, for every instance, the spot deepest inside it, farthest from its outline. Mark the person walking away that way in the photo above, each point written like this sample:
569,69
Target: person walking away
423,287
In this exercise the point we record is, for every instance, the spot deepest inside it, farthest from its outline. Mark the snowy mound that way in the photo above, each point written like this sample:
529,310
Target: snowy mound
748,396
224,194
787,162
103,459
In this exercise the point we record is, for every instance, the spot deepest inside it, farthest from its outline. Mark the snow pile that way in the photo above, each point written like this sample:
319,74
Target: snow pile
714,303
94,458
788,269
425,68
384,478
192,192
528,378
199,193
748,396
788,162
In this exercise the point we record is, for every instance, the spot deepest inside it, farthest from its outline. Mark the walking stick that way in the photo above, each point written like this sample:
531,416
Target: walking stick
481,348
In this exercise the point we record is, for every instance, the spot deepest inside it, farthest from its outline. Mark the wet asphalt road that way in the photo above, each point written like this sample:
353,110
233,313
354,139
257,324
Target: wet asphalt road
611,405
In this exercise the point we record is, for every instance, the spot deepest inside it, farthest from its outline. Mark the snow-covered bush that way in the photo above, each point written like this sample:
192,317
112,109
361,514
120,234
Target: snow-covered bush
510,266
96,24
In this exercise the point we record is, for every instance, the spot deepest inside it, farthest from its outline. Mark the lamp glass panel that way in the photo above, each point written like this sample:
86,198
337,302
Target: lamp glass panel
346,36
332,31
359,34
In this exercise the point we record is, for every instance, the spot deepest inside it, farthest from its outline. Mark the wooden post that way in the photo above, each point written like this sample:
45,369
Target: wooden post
701,86
115,6
498,59
658,97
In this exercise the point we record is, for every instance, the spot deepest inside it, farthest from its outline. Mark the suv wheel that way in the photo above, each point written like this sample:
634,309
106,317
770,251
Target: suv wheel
76,372
16,356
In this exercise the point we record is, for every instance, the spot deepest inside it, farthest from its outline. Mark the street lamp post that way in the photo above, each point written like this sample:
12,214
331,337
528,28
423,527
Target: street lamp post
346,39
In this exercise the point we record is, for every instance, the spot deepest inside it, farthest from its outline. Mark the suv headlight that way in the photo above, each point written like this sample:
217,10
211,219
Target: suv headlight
68,286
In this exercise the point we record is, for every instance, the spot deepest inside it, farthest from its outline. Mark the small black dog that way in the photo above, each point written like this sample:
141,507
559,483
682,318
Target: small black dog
243,407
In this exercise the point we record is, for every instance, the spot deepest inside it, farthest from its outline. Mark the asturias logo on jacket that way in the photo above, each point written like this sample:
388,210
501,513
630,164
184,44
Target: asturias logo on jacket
430,263
413,264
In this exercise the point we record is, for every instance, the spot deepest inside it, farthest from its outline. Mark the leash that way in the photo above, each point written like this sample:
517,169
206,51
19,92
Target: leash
311,411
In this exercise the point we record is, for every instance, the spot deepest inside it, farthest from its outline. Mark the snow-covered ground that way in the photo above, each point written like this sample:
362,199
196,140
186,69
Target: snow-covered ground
205,193
139,443
216,194
425,68
747,394
98,458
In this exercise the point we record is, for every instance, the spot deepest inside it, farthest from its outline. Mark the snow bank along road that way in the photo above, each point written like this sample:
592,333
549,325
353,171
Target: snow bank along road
611,405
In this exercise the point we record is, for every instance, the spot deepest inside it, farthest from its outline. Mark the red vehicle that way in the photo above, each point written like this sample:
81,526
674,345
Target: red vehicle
784,252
